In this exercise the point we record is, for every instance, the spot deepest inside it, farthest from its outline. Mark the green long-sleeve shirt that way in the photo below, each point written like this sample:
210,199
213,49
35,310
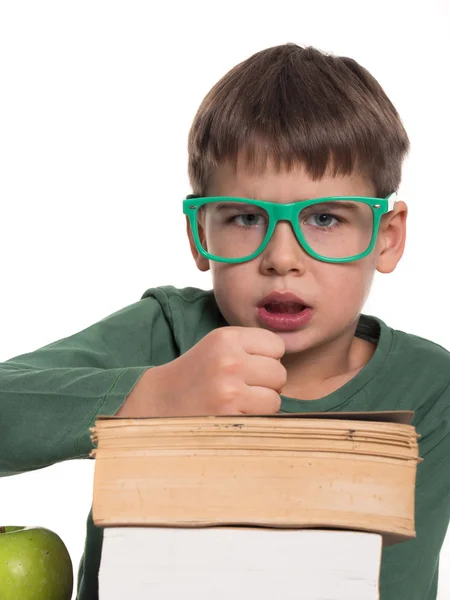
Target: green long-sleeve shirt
49,398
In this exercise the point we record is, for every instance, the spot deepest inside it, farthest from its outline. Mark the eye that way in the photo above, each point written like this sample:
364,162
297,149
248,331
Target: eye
249,220
322,220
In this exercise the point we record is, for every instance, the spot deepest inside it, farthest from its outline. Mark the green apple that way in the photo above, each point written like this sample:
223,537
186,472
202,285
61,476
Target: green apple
34,565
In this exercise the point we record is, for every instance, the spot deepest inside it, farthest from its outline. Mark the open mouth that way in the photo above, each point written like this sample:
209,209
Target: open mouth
290,308
284,315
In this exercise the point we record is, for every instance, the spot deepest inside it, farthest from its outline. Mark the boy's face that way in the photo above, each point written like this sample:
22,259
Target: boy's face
336,292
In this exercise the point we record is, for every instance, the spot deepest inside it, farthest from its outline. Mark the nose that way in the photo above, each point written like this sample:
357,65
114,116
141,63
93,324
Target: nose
283,254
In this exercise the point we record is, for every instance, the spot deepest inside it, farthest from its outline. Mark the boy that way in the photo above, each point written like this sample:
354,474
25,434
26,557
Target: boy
310,139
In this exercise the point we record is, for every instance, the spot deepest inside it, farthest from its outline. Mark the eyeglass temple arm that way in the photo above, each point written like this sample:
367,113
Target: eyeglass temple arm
392,199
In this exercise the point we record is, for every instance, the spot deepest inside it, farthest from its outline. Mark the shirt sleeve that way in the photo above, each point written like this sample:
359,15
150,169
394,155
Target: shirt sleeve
50,397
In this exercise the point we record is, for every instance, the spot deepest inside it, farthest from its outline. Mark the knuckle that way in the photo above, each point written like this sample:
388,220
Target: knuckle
278,343
280,346
228,364
279,375
225,334
282,374
229,394
276,402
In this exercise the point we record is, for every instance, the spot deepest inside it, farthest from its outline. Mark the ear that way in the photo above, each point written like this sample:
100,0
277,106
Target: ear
201,262
392,238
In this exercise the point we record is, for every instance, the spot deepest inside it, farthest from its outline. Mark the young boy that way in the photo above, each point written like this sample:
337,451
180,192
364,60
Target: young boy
311,140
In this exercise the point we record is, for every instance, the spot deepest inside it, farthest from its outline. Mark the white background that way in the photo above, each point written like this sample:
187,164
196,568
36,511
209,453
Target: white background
96,100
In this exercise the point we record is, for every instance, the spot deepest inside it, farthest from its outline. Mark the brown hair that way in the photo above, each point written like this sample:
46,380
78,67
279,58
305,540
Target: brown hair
294,105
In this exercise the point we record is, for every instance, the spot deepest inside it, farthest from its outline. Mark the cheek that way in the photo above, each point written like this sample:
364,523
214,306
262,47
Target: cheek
344,287
233,287
234,277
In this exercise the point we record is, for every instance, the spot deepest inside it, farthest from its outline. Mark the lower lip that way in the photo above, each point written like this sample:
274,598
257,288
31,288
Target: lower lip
285,321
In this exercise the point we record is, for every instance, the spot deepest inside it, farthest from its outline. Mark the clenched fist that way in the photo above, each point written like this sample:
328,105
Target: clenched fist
231,371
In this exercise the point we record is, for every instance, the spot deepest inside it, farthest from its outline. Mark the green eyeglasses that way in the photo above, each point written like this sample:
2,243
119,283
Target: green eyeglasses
335,229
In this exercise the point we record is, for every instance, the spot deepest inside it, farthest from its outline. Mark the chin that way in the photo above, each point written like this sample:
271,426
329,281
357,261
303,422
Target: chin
295,341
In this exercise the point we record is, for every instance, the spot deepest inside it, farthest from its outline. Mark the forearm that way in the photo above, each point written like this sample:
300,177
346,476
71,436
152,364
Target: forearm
49,398
45,414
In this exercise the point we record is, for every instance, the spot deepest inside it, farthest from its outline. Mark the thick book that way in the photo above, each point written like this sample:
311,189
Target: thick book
296,471
237,507
226,563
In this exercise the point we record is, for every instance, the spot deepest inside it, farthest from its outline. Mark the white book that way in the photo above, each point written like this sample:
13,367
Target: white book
239,563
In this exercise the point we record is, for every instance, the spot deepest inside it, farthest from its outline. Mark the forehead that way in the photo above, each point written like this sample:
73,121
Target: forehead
284,185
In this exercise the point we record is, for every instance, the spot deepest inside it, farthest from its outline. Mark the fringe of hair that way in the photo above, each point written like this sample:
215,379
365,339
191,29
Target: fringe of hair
292,105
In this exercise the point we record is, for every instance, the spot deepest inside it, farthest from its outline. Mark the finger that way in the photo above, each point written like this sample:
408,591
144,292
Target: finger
261,401
264,372
262,342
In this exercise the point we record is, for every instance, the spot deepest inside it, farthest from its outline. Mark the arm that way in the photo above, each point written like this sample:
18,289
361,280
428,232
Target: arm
50,397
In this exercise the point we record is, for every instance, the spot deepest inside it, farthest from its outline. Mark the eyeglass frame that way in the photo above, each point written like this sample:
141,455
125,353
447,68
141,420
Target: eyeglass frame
287,212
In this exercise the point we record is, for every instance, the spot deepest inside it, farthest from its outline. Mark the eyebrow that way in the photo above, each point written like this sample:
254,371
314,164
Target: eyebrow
222,205
341,203
328,205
